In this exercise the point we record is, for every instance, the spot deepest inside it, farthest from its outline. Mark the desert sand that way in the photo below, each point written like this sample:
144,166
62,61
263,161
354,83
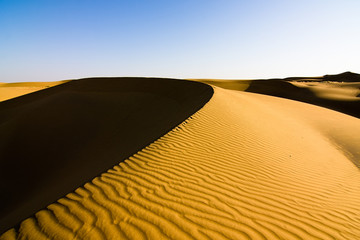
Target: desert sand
62,137
332,90
244,166
12,90
339,92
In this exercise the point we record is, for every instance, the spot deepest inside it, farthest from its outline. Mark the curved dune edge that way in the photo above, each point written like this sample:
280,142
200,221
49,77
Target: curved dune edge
56,140
246,166
12,90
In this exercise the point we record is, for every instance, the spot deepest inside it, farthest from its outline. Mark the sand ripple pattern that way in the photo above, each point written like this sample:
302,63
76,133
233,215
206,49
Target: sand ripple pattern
234,170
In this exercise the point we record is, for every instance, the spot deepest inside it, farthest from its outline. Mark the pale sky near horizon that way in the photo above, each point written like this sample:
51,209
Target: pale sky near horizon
46,40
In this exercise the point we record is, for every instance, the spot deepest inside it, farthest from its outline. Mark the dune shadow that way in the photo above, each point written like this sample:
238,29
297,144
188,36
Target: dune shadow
57,139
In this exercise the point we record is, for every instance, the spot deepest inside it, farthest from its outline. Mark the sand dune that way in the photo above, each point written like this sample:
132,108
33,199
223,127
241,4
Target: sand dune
54,141
339,92
240,85
11,90
245,166
332,90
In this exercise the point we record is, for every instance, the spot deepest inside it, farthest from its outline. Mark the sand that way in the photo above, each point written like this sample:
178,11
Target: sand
54,141
332,90
245,166
12,90
240,85
339,92
334,95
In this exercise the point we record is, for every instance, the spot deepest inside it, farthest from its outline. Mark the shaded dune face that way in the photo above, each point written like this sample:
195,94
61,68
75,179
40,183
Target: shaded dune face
55,140
245,166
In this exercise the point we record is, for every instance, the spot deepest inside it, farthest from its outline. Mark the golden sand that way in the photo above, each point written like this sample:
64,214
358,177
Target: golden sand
246,166
333,90
62,137
11,90
240,85
341,94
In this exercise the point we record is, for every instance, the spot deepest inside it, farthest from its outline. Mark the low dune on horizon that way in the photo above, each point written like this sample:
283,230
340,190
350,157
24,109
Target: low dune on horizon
339,92
12,90
149,158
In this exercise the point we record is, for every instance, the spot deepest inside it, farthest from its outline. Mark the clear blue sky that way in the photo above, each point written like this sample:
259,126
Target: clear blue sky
47,40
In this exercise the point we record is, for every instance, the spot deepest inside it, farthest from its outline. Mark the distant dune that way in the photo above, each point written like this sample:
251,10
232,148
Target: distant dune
339,92
11,90
242,166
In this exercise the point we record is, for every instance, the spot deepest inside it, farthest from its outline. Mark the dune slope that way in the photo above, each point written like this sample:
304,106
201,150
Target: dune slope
337,96
340,92
246,166
55,140
12,90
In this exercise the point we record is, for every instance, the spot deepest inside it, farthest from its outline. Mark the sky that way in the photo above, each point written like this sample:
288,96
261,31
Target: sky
47,40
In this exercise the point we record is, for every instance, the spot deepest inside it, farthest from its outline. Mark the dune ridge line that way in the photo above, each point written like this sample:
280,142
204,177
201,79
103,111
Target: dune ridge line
245,166
55,140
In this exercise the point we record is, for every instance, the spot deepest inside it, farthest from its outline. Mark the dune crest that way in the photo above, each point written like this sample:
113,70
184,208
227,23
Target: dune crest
246,166
60,138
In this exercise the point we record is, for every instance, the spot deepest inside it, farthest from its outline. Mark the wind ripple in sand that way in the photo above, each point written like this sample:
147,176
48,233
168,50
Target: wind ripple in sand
240,168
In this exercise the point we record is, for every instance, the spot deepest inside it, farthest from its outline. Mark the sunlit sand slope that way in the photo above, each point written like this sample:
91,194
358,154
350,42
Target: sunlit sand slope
333,90
246,166
11,90
54,141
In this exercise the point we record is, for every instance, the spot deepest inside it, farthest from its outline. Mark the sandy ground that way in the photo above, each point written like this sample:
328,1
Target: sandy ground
12,90
245,166
332,90
54,141
342,93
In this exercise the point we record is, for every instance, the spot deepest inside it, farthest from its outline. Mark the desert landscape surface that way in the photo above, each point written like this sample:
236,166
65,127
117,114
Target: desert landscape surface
150,158
12,90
